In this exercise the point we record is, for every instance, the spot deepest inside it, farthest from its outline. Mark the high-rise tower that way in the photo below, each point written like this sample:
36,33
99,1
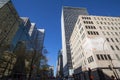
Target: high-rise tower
68,20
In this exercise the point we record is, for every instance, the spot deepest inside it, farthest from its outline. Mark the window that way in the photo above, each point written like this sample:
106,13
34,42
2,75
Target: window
84,21
94,27
108,28
100,27
97,22
83,36
116,28
103,32
116,39
117,47
112,28
95,18
104,27
98,57
90,59
112,33
109,57
116,33
94,33
105,57
107,39
97,33
101,22
112,39
105,18
108,23
102,57
117,56
91,22
112,23
86,27
81,30
112,48
105,23
89,32
79,26
101,18
98,18
108,33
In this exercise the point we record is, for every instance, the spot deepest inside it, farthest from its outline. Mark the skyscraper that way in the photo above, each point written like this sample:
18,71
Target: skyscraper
95,47
59,72
40,39
9,22
68,20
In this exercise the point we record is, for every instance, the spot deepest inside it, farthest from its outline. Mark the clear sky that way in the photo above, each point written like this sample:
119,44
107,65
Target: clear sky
47,14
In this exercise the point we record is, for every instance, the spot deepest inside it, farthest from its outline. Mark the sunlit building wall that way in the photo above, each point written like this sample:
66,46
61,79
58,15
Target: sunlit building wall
95,44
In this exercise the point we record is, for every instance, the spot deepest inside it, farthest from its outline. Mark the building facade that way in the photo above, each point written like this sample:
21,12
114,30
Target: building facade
95,44
34,39
68,20
22,34
40,39
59,70
51,71
9,22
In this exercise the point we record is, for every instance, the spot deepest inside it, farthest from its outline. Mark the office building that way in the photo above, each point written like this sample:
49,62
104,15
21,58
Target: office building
95,45
68,20
22,34
59,71
9,22
51,71
40,39
33,38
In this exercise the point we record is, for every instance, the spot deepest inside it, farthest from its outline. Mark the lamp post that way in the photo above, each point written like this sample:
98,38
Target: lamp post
111,66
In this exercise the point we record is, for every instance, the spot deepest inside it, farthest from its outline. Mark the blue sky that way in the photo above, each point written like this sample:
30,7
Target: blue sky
47,14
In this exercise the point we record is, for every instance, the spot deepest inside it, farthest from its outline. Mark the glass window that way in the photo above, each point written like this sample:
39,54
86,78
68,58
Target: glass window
94,27
109,57
88,32
98,57
116,33
97,33
95,18
100,27
103,32
112,47
112,39
86,27
78,21
108,28
112,33
117,47
107,39
108,33
112,28
105,57
94,33
116,39
116,28
102,57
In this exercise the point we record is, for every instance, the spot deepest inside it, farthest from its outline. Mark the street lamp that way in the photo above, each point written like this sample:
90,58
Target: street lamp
111,66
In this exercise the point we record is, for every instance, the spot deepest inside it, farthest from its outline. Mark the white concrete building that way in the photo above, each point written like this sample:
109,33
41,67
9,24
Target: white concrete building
95,43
